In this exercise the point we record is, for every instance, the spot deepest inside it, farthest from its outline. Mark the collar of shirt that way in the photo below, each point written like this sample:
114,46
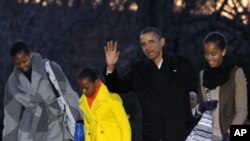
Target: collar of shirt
160,64
92,98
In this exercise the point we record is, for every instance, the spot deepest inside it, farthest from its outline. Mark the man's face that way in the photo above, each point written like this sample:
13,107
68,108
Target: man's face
193,100
152,45
87,86
23,61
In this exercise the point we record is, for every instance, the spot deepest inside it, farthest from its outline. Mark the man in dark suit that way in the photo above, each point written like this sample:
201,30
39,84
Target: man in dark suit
162,82
193,103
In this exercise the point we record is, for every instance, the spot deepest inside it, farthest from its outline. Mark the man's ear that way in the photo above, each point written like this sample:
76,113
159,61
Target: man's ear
30,54
224,51
162,41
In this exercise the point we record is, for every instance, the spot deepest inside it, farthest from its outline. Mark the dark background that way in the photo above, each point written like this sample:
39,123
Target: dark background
74,32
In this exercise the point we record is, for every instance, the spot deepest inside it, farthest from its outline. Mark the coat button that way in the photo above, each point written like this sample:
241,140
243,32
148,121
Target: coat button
89,134
102,132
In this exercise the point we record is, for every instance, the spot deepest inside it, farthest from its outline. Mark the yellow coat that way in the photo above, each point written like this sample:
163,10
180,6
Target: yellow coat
106,120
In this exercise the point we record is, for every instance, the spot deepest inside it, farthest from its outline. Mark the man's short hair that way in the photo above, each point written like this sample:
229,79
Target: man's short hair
192,93
151,29
19,47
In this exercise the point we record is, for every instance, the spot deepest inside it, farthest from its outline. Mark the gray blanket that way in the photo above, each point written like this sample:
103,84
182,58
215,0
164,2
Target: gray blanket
31,110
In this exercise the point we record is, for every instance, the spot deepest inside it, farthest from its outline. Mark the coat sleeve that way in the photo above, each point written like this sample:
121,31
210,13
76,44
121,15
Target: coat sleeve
240,98
12,113
117,84
121,118
200,93
69,94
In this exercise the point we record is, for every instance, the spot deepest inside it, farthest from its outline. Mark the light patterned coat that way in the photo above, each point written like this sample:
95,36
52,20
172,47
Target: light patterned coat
31,110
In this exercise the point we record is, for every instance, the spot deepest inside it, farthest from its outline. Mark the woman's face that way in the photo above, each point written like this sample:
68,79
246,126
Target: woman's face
23,61
213,54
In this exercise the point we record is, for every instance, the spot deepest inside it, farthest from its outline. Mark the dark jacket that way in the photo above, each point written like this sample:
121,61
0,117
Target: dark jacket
163,95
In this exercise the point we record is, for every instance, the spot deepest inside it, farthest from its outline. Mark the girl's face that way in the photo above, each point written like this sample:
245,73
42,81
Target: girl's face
213,54
88,87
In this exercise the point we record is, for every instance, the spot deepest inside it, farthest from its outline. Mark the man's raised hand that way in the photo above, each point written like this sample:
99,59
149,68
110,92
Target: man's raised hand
111,54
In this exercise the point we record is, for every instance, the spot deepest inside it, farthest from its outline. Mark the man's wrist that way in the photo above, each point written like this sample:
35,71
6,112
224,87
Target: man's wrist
110,68
108,72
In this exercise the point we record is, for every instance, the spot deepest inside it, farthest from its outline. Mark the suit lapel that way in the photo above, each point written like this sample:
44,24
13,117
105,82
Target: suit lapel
101,98
23,82
153,76
87,109
92,113
89,115
35,79
38,67
225,93
28,87
96,105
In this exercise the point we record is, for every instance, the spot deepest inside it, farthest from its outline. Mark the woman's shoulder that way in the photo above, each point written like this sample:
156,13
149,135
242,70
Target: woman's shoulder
238,69
201,72
238,72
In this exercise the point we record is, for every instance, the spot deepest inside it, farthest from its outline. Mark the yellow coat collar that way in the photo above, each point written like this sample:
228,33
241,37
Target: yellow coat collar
102,96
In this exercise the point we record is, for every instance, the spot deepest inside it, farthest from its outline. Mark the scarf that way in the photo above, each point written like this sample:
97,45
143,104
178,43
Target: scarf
214,77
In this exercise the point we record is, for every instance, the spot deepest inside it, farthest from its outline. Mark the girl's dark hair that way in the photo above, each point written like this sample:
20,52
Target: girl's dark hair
88,73
19,47
218,38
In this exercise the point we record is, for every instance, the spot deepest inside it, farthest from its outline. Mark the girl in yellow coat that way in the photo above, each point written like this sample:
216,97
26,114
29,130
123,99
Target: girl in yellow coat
104,116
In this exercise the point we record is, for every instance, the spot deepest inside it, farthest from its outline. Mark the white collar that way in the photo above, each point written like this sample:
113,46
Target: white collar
160,64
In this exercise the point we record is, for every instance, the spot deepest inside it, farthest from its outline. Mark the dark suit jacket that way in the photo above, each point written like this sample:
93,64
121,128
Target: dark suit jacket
163,95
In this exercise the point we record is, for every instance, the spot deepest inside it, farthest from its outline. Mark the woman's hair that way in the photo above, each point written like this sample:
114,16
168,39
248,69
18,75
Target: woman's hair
88,73
216,37
19,47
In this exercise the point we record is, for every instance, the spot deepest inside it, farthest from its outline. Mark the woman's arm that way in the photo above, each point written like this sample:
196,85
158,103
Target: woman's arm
240,98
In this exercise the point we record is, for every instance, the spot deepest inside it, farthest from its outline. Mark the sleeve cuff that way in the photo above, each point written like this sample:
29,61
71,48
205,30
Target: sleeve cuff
108,72
196,109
